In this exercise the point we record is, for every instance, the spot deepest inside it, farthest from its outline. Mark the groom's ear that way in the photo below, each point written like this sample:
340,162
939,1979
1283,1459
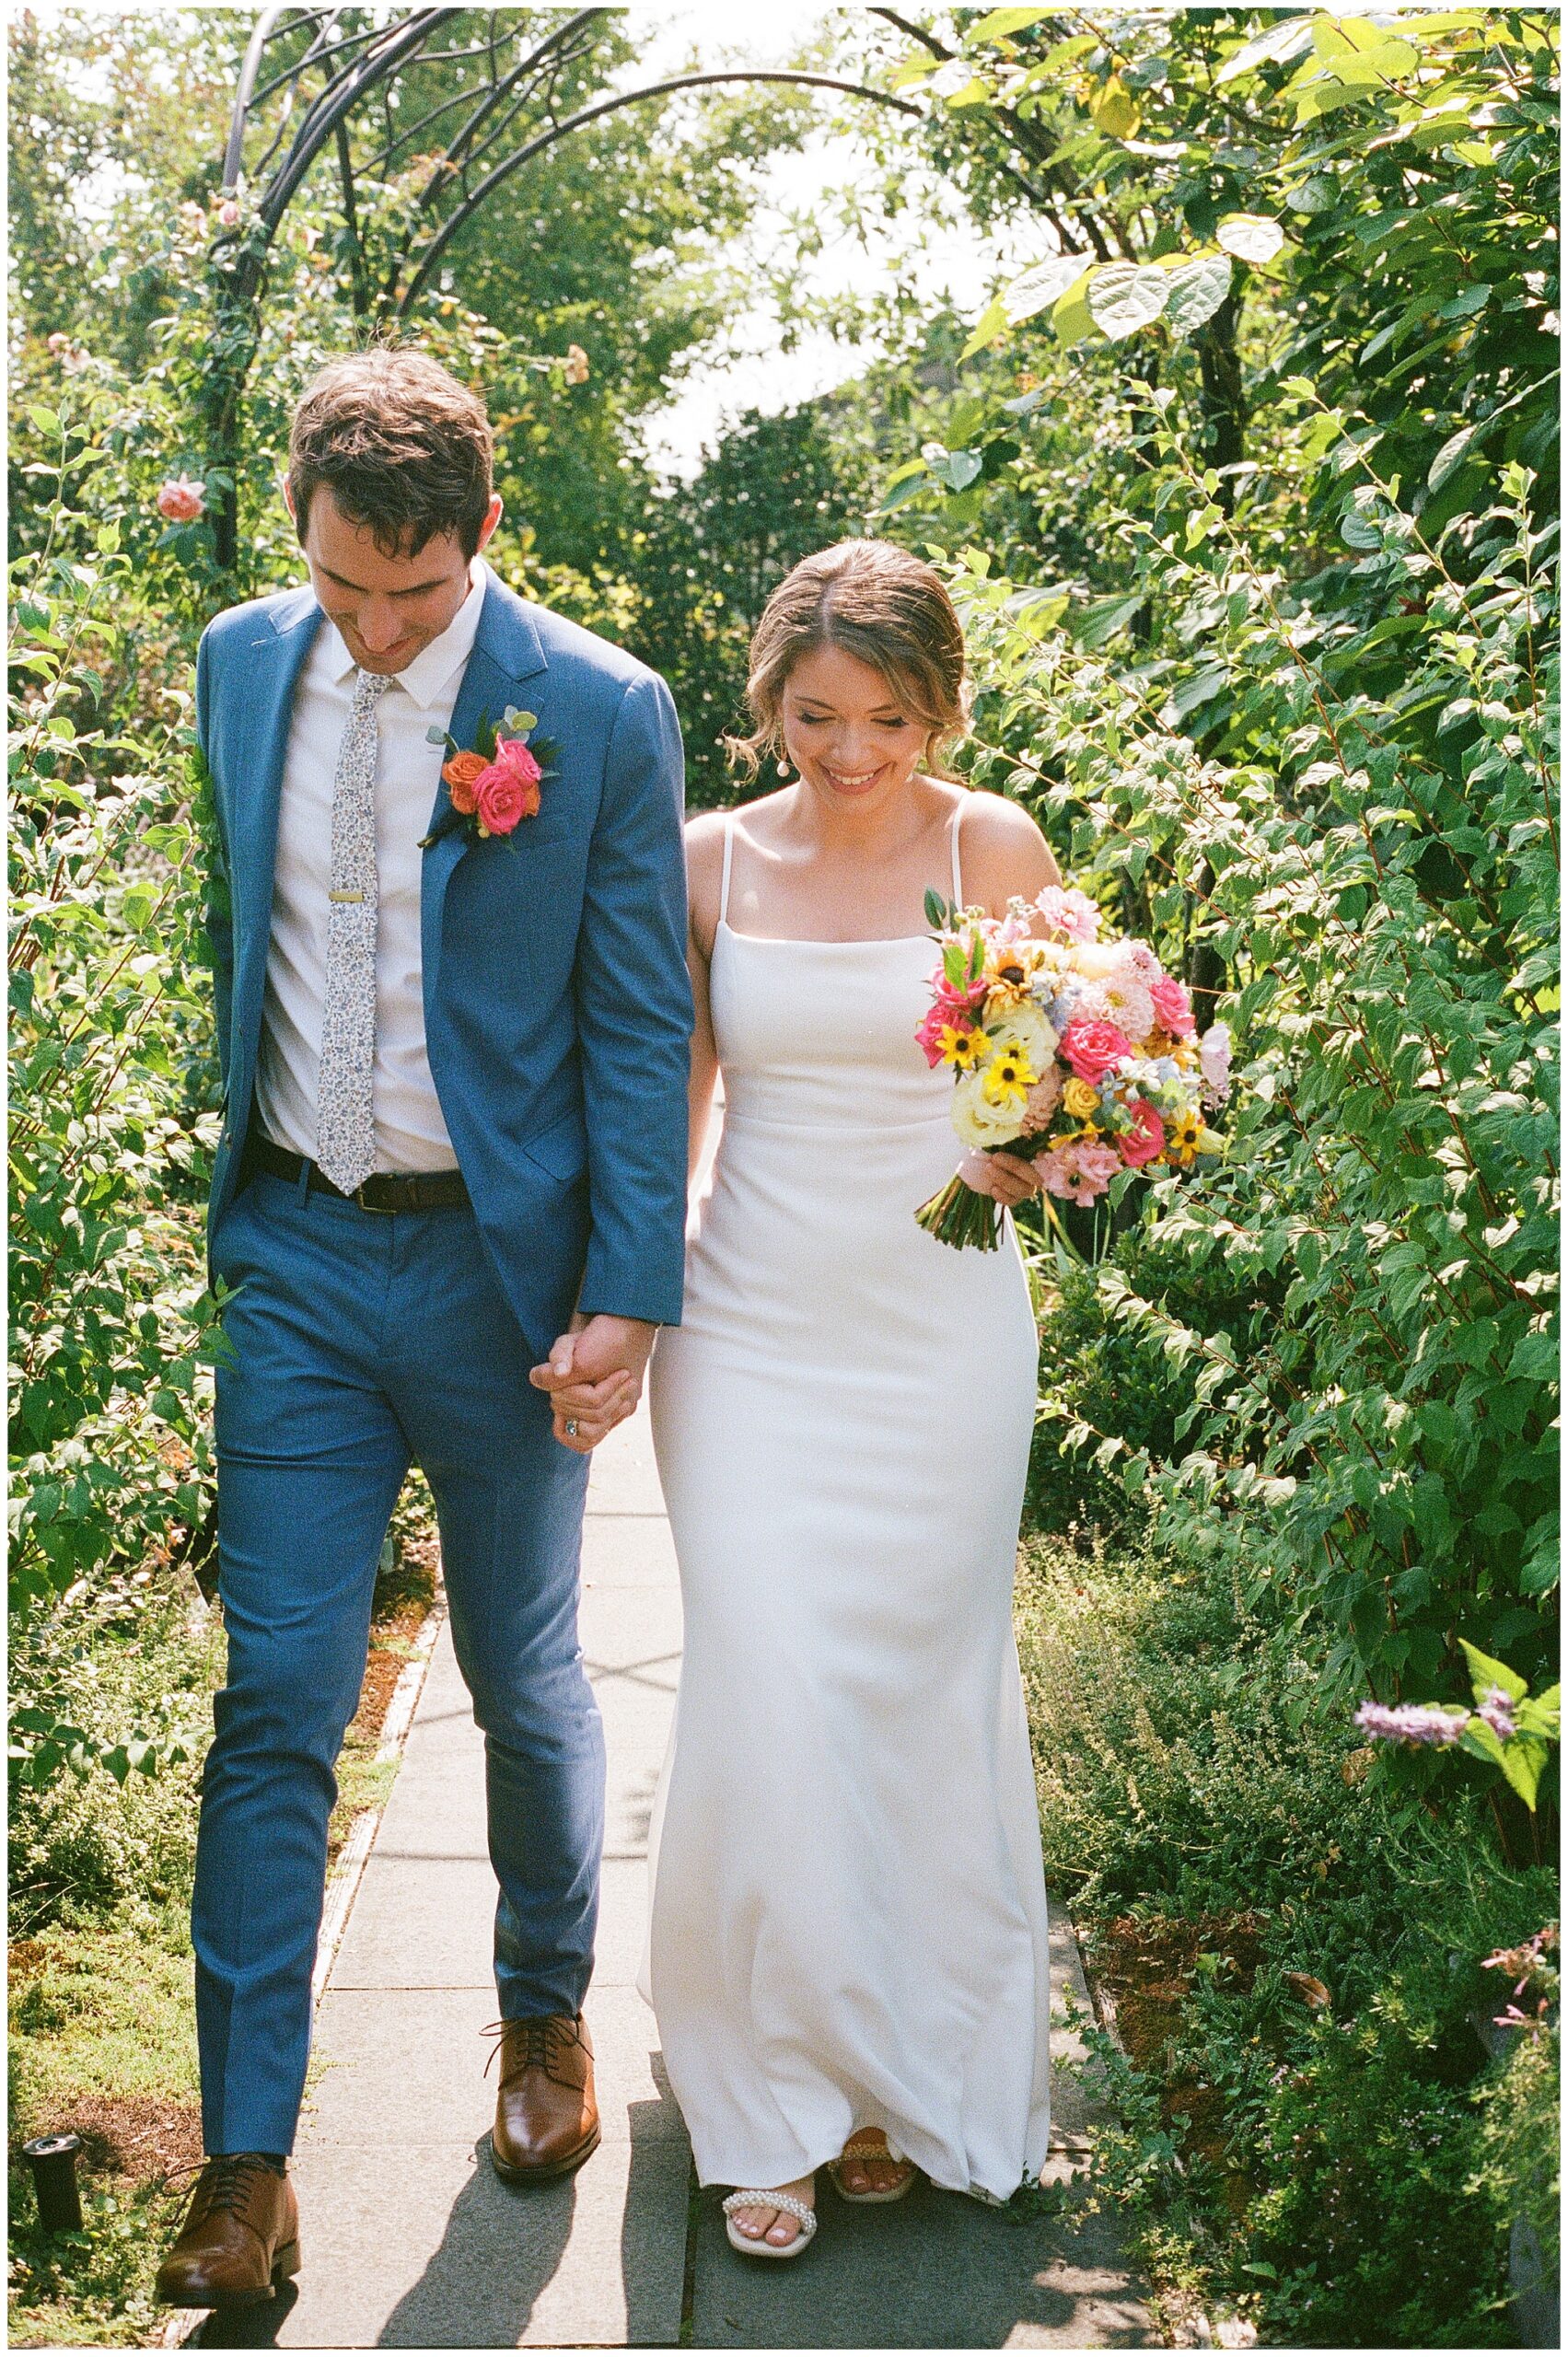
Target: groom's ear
493,517
288,501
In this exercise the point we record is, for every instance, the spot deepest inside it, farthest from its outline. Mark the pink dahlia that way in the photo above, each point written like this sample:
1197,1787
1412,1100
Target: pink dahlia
1068,915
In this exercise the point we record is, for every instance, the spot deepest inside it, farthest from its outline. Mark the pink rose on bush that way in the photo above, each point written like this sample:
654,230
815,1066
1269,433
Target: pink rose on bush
1145,1139
1077,1169
229,213
181,499
1092,1048
1173,1006
507,789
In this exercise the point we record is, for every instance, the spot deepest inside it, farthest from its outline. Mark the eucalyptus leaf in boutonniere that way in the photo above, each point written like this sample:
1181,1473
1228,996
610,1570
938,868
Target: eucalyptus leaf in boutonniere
494,784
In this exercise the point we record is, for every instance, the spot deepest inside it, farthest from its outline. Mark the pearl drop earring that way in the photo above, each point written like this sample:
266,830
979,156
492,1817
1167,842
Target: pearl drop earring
784,768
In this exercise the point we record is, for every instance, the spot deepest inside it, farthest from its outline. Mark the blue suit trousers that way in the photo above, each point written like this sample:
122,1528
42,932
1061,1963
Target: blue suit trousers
364,1342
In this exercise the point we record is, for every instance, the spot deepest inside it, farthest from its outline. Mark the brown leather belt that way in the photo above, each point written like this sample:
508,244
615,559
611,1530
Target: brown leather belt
418,1191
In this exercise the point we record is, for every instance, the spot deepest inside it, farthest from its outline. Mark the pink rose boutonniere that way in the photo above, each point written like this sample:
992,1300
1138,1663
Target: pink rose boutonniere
493,784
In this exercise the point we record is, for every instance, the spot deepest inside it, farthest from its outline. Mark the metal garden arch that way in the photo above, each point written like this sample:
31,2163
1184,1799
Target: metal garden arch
311,74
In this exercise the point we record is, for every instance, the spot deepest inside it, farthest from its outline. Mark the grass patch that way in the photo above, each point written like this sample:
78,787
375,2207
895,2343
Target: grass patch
1311,2134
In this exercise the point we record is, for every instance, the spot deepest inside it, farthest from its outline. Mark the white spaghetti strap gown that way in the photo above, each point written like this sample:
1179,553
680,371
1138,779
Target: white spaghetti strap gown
848,1922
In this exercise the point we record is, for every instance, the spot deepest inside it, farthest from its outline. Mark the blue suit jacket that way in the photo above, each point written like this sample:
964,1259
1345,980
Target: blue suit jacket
557,1005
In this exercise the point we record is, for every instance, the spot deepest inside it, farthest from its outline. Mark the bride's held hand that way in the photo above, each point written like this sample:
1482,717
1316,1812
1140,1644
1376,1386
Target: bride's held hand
1005,1177
594,1377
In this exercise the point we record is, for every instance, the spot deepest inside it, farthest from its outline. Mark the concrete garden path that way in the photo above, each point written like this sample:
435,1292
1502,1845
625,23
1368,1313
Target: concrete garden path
409,2239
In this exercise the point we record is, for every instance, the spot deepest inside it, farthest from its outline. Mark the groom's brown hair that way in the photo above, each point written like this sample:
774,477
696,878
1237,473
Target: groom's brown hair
401,446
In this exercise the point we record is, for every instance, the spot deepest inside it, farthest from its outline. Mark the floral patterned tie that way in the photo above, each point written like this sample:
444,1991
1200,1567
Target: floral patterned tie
345,1121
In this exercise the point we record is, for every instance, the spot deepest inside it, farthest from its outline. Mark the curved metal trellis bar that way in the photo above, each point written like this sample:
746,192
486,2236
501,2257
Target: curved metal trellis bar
309,78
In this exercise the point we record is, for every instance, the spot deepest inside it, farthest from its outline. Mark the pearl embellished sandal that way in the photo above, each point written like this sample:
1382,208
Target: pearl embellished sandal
757,2246
857,2149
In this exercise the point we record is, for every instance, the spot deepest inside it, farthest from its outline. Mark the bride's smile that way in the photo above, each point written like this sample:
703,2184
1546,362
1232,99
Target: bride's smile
851,743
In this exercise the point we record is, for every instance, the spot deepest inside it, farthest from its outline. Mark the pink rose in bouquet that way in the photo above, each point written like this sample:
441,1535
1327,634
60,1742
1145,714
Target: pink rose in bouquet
1094,1048
944,1016
955,1004
1173,1008
1145,1140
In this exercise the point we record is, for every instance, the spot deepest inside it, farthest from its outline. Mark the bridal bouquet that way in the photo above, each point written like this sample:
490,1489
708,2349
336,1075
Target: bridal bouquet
1078,1054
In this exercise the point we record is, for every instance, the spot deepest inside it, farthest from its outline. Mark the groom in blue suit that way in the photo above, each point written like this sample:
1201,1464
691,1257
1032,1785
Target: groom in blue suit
449,1199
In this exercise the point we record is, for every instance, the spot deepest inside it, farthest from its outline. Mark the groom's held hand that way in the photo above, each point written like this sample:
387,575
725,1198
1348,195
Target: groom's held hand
594,1375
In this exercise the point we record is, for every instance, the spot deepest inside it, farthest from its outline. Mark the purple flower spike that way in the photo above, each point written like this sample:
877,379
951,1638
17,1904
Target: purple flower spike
1409,1722
1497,1710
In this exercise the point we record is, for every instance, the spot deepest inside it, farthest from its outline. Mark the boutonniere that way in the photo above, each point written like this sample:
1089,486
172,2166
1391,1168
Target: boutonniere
494,784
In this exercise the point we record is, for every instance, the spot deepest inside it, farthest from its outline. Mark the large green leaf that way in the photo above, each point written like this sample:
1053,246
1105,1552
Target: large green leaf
1197,290
1285,38
1124,296
1251,237
1042,285
1485,1673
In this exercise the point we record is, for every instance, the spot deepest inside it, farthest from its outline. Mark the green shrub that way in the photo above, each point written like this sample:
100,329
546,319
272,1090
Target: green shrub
1311,2130
1177,1757
1369,2234
1520,2142
85,1849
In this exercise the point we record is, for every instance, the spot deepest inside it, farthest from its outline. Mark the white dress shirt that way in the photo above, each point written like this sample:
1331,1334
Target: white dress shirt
410,1131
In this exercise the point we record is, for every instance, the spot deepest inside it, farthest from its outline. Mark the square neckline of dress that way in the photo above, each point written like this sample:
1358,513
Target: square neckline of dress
815,941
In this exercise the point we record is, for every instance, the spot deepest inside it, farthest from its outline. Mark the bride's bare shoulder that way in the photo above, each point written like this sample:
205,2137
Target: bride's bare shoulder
1004,850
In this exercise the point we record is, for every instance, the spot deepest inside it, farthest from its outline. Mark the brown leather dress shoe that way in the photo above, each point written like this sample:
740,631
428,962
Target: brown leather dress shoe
546,2118
239,2239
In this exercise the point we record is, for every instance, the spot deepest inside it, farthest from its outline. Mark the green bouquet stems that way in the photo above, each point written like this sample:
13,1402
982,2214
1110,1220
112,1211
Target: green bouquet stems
956,1216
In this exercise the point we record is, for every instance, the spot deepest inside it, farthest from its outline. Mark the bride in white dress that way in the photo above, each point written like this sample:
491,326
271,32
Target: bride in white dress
848,1936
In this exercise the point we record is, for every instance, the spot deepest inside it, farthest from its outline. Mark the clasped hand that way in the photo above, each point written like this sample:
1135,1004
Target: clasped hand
594,1377
1005,1178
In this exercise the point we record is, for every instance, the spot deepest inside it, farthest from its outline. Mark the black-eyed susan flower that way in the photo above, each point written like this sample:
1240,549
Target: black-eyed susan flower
963,1046
1009,1076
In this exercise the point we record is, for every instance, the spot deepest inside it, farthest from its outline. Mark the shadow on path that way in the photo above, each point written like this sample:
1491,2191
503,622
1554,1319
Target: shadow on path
936,2271
256,2328
501,2245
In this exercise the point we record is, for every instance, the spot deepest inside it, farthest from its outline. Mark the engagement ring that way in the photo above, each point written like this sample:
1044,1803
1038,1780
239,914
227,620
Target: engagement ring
571,1428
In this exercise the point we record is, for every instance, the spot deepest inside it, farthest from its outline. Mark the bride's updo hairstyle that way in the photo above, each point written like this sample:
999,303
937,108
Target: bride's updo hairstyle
878,603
